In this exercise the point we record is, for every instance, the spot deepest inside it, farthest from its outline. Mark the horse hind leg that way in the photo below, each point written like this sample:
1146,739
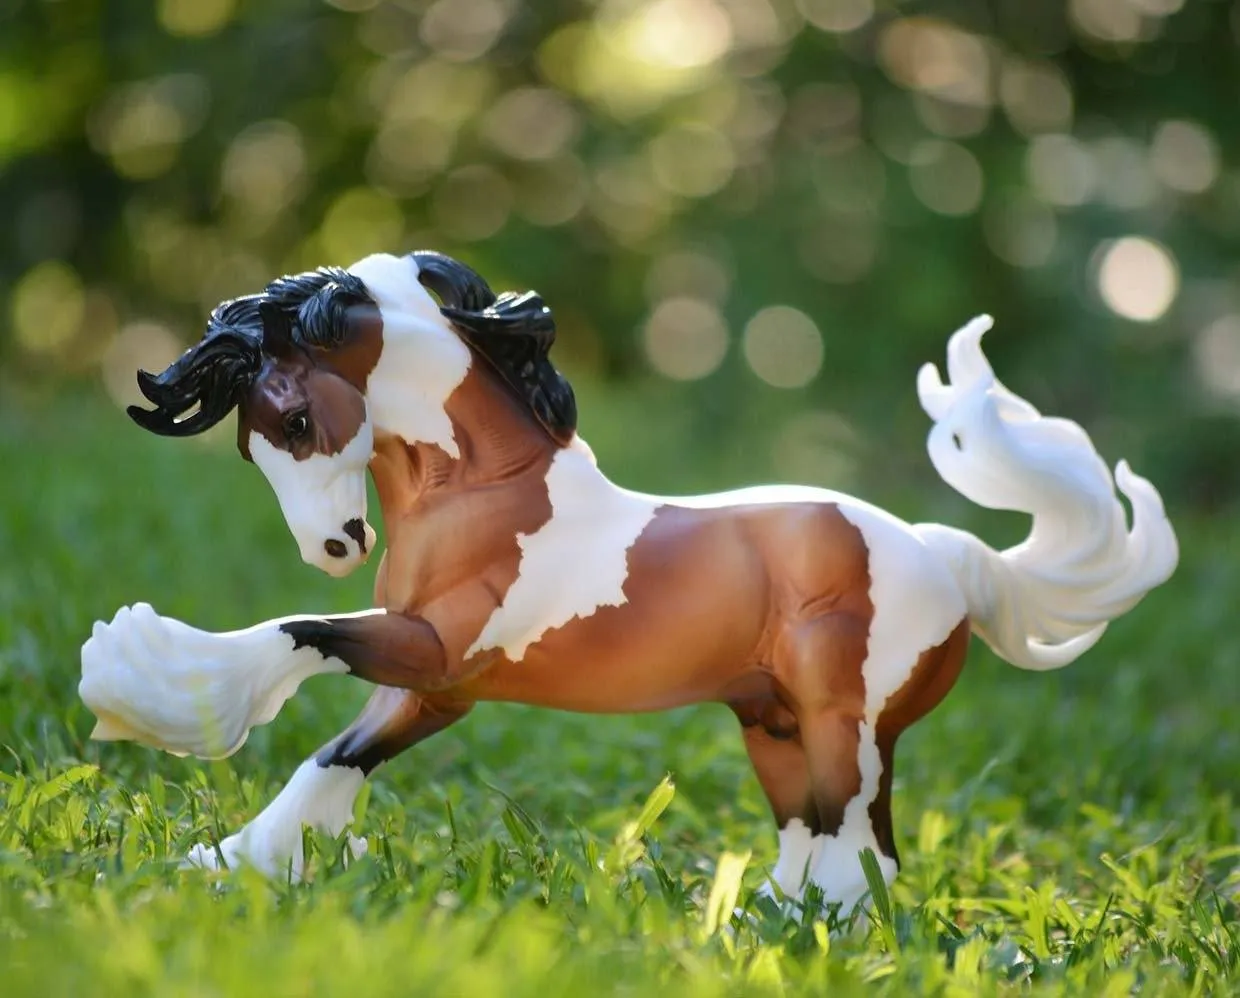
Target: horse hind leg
783,773
849,747
810,796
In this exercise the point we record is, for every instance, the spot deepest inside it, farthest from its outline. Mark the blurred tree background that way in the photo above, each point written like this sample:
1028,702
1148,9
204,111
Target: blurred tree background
754,218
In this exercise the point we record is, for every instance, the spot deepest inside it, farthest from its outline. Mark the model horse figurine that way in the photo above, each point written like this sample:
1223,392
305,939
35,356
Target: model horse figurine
516,571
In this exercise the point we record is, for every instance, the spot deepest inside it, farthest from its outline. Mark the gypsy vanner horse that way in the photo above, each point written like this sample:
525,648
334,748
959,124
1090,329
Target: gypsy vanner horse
516,571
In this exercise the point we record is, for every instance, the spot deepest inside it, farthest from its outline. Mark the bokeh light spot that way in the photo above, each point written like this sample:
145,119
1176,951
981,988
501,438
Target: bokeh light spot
1107,20
264,170
553,192
531,123
472,203
923,53
817,448
680,34
691,160
1216,356
697,275
783,346
140,126
946,178
1138,278
1020,230
839,16
47,307
949,119
685,338
1184,156
146,346
1129,183
194,18
406,155
1060,170
1036,96
463,30
358,222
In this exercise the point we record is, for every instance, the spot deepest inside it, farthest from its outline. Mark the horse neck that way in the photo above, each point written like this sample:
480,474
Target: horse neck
494,441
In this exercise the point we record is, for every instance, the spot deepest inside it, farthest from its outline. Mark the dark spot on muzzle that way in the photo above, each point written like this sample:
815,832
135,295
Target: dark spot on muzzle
335,548
357,530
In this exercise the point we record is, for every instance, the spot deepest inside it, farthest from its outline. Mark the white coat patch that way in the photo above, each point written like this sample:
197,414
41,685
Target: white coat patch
321,797
156,680
798,855
319,494
575,563
423,359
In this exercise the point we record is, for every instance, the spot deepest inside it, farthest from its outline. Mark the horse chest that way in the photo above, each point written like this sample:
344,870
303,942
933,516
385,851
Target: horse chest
574,563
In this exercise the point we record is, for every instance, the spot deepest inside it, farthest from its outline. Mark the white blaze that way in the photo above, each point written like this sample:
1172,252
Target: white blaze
319,495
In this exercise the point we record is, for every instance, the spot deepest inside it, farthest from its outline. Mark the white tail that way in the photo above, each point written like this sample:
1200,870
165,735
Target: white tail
1041,604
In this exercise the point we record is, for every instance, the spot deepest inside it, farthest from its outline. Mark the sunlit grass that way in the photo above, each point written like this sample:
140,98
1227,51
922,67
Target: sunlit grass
1074,832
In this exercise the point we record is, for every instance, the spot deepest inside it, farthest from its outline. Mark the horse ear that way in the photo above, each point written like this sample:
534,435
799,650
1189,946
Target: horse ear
277,329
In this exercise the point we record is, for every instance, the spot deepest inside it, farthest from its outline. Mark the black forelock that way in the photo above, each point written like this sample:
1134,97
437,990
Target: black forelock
213,375
317,302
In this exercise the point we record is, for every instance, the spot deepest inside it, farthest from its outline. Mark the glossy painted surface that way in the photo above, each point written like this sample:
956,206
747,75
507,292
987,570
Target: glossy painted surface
517,571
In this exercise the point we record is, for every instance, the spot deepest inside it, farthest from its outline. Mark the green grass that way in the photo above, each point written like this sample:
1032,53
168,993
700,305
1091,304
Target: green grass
1072,832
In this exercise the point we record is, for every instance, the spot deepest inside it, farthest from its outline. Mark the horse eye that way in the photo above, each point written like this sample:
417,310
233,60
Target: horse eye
296,425
957,441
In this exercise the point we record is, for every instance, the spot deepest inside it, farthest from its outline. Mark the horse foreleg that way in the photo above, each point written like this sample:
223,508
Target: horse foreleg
322,791
156,680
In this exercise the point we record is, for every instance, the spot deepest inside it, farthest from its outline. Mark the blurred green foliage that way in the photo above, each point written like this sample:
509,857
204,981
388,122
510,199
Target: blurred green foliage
754,219
664,172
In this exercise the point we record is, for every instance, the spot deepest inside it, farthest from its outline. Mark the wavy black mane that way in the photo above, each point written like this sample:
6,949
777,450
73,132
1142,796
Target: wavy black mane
212,376
513,332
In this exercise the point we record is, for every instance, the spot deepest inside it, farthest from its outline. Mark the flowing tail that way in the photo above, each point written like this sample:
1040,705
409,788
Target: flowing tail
1044,603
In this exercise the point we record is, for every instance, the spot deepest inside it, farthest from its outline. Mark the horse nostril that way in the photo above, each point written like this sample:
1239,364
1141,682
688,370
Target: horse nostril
357,530
335,548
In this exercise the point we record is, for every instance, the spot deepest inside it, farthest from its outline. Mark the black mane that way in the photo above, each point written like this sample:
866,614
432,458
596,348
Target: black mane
513,332
215,373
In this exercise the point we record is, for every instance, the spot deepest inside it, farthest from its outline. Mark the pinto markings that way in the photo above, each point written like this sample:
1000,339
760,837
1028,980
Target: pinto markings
827,625
423,359
916,605
320,495
573,564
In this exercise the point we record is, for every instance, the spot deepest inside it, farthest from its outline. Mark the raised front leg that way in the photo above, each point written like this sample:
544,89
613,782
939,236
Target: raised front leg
322,790
156,680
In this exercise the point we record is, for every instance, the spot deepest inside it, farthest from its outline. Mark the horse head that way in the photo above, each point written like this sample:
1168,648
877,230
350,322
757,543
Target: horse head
303,364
